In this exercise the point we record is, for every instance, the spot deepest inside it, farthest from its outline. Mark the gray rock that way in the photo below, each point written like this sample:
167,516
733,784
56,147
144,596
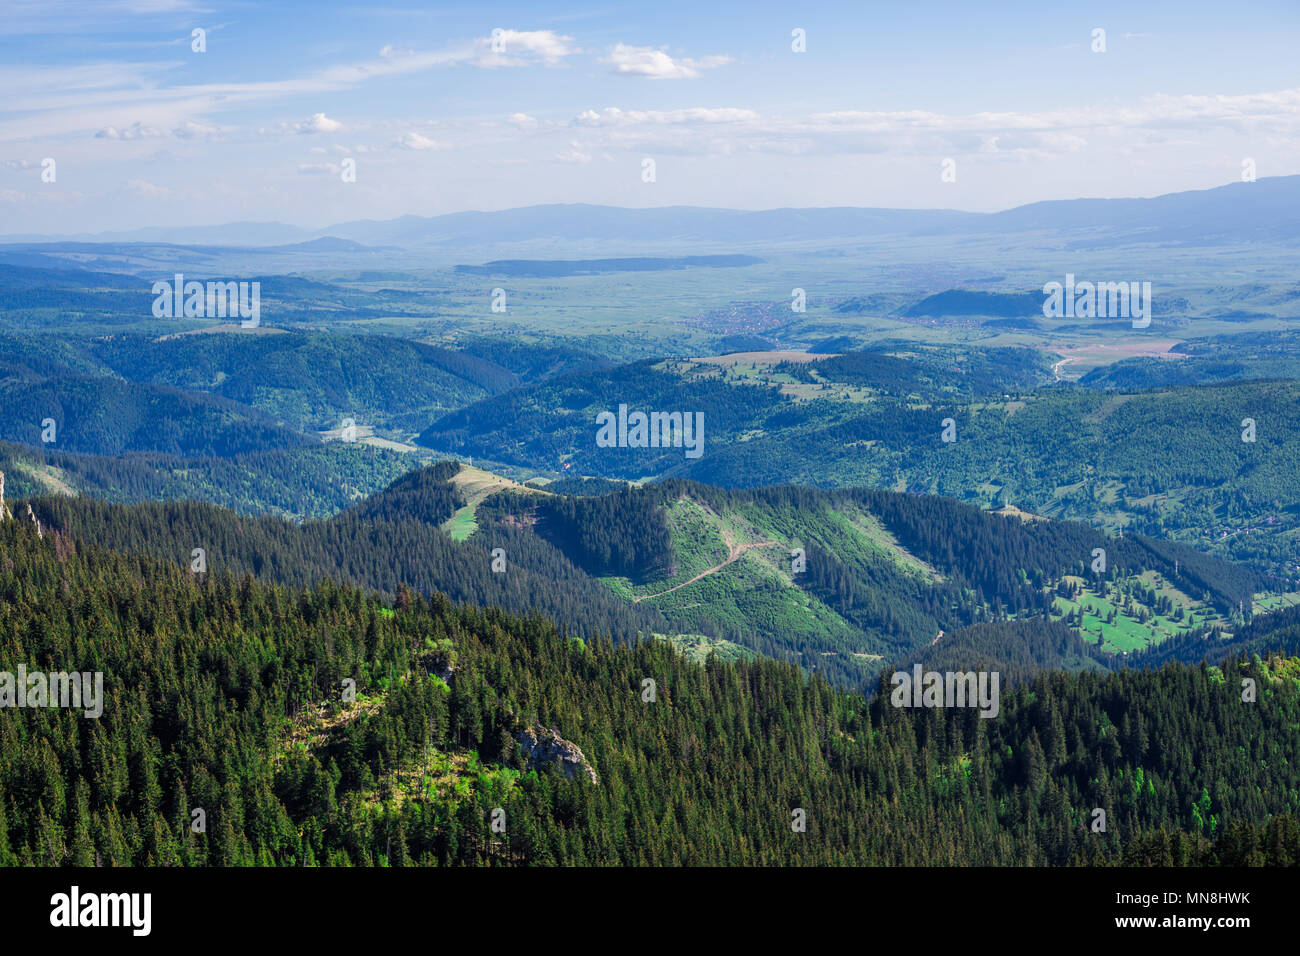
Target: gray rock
541,746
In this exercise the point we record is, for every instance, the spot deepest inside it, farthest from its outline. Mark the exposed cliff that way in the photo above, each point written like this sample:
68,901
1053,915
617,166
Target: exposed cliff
541,746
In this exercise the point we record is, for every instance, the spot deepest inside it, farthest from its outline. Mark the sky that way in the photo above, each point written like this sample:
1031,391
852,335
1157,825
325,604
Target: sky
322,112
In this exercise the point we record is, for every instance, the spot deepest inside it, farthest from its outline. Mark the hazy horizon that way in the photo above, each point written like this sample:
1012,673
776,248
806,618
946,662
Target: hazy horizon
134,114
309,230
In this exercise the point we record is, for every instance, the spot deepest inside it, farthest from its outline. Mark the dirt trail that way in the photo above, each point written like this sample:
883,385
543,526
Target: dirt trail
735,551
1056,369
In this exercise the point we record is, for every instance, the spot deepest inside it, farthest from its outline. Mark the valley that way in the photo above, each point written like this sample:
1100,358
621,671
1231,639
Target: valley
395,485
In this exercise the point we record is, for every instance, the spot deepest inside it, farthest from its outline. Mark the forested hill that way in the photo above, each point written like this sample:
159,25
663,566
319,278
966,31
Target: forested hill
1206,464
224,391
315,480
879,577
363,547
224,701
839,580
108,416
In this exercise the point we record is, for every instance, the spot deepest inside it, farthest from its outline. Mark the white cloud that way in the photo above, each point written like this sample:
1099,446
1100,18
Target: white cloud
414,140
192,130
318,169
613,116
523,47
319,123
1189,111
657,64
390,51
523,120
575,155
1010,135
136,130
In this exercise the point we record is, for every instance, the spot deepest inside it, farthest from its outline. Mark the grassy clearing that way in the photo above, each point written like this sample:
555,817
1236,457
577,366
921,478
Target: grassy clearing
698,647
1275,601
49,477
461,524
477,484
1123,623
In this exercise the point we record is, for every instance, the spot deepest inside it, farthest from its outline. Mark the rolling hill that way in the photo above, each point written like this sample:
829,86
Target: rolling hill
1182,462
460,713
840,582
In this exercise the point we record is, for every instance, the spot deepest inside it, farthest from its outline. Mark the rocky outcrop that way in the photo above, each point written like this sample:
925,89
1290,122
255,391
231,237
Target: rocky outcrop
36,521
540,747
4,512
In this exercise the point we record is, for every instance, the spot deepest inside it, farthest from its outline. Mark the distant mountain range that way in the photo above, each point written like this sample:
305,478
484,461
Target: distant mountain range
1262,211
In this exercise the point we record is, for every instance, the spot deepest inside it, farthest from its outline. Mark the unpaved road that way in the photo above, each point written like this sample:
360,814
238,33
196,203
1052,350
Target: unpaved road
735,551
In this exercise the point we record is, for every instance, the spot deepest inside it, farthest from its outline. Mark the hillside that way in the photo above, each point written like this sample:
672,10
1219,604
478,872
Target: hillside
108,416
1181,462
313,380
307,381
880,575
385,543
451,705
312,481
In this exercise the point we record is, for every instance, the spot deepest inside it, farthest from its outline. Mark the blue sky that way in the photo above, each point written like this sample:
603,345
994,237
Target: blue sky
574,98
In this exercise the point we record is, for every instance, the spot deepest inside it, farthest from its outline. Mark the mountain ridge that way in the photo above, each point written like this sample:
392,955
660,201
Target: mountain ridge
1257,209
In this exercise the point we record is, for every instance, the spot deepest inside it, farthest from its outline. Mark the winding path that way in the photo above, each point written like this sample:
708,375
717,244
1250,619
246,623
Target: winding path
736,550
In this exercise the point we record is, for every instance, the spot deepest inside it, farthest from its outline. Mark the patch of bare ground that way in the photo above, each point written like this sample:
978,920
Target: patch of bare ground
314,727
